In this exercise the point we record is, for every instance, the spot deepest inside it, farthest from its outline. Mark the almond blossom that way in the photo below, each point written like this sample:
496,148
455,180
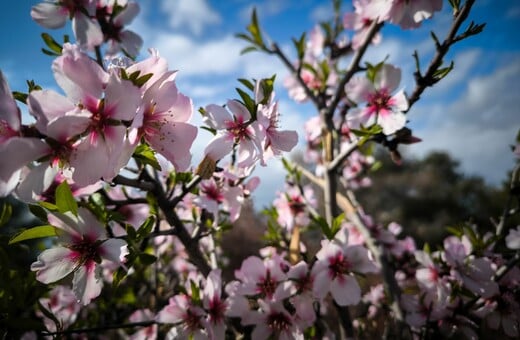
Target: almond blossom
405,13
233,128
382,107
360,21
337,261
84,245
19,150
291,206
62,303
82,12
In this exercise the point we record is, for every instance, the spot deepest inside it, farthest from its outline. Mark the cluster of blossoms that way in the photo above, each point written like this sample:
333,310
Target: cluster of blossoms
130,117
94,22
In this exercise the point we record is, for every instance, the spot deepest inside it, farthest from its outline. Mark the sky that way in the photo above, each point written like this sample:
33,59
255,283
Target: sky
474,113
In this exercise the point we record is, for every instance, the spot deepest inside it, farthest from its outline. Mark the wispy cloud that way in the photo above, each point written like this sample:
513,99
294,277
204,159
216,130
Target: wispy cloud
193,14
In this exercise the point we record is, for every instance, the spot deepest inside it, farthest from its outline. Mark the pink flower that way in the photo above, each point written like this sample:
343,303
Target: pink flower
360,21
216,193
62,303
513,238
275,141
145,333
382,108
291,206
213,303
108,101
261,277
189,318
235,128
335,267
55,14
16,151
118,38
166,112
273,321
84,247
406,13
475,273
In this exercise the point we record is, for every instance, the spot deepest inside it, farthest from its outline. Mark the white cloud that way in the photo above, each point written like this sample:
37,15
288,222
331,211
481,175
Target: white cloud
322,13
264,8
193,14
478,128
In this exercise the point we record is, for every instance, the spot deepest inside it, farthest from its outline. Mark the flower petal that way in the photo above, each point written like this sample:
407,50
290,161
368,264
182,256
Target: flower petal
54,264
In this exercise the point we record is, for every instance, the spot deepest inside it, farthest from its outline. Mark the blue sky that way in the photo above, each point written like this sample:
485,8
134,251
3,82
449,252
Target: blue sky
474,113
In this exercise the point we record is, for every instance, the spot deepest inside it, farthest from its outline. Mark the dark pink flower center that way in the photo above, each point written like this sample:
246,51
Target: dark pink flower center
380,100
212,192
238,128
296,204
217,307
339,265
192,321
85,251
267,285
278,322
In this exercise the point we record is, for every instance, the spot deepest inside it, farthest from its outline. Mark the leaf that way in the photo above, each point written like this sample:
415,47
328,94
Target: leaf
32,233
118,276
38,211
146,228
248,49
336,224
146,155
442,72
147,259
299,44
51,43
321,222
65,200
7,212
247,84
142,80
20,96
248,102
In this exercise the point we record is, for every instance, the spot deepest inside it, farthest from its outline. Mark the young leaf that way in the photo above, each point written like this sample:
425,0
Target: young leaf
51,43
7,211
247,84
146,155
146,228
147,259
32,233
65,200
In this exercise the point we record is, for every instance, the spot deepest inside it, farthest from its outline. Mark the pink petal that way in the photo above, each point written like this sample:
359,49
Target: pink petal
345,290
89,162
49,15
35,182
128,14
217,117
87,282
219,147
54,264
239,110
19,151
283,140
392,122
7,186
9,112
47,105
114,249
174,141
80,77
122,99
358,89
358,257
388,78
131,42
322,284
87,31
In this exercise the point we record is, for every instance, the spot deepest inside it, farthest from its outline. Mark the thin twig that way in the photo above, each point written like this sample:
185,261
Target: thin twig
422,82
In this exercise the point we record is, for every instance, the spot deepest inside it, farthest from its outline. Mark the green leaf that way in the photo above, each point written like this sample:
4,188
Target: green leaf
48,206
248,102
299,44
7,212
336,224
212,131
142,80
321,222
32,233
38,211
372,70
195,293
146,155
248,49
20,96
51,43
247,84
65,200
442,72
118,276
146,228
147,259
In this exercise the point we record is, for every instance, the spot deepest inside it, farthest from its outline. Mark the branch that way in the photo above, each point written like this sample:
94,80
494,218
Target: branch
349,207
332,166
134,183
353,68
278,52
101,328
422,82
186,189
